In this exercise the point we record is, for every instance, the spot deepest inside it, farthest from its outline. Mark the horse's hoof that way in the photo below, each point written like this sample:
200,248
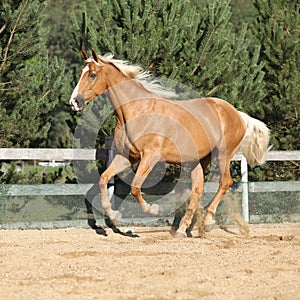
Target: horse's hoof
209,227
115,217
189,233
101,231
173,230
130,233
155,210
179,235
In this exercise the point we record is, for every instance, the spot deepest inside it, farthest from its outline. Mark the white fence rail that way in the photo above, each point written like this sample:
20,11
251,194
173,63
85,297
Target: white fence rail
90,154
65,154
47,154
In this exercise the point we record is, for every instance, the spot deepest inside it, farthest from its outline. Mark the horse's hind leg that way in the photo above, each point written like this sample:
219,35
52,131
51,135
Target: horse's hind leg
225,184
197,176
179,213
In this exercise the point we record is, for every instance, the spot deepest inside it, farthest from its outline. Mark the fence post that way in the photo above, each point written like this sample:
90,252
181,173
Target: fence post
244,172
111,184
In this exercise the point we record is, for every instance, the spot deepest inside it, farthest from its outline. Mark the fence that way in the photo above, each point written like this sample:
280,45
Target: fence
9,154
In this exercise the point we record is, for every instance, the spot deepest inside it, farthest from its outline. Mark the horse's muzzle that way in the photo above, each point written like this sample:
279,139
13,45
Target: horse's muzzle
77,103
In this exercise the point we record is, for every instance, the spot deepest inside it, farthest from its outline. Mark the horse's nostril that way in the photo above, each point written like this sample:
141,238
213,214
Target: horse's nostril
79,100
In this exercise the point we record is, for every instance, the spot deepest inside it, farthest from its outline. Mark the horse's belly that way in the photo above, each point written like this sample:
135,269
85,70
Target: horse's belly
175,140
165,149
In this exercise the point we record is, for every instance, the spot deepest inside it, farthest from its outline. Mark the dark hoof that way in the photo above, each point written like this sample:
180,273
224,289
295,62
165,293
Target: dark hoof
179,235
209,227
173,230
127,233
130,234
189,233
100,231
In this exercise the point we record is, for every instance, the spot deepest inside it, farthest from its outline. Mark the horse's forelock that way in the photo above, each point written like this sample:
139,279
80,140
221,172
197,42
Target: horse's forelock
91,60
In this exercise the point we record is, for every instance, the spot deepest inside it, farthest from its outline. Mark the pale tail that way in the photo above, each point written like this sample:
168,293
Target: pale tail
255,144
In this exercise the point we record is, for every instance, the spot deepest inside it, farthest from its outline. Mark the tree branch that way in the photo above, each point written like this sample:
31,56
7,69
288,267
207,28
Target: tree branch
2,28
204,49
11,36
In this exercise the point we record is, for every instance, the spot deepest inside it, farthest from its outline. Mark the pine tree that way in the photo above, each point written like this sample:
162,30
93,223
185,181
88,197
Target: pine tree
30,84
277,29
203,52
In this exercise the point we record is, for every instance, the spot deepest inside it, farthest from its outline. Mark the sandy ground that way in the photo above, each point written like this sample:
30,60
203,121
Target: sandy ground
78,264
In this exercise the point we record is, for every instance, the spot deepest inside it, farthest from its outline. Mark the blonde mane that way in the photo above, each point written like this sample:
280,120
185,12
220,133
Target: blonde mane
145,78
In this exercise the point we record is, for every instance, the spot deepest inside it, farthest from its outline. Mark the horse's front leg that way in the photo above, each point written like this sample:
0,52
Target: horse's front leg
146,165
118,164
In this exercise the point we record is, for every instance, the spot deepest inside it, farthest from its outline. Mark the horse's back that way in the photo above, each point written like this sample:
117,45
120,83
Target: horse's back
220,120
213,110
209,105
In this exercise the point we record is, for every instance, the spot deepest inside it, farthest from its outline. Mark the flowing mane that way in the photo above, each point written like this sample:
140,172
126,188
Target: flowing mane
145,78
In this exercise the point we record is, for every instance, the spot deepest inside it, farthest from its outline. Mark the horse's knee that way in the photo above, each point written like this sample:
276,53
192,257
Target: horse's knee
199,189
135,191
103,181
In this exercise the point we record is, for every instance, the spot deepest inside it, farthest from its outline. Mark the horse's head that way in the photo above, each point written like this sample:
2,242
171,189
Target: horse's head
91,83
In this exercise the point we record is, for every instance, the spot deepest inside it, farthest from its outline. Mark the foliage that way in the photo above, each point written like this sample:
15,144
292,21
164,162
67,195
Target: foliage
203,52
277,29
14,174
242,11
58,18
30,84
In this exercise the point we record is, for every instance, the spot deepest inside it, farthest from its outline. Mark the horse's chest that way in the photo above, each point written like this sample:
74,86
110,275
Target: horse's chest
125,143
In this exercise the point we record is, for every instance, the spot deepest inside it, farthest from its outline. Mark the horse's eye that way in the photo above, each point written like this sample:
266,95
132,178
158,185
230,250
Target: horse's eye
92,75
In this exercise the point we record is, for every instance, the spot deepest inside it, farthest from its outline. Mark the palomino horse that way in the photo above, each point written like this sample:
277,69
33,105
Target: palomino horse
151,128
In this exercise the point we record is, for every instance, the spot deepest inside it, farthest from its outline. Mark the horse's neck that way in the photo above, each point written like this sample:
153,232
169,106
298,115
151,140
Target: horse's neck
122,92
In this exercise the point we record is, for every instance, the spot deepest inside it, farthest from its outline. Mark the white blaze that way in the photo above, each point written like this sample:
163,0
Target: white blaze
75,92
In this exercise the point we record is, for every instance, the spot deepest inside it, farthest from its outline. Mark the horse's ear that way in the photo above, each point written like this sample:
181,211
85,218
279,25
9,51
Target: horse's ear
95,55
84,55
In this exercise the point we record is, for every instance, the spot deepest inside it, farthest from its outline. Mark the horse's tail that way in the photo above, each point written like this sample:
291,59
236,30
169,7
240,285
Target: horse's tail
255,144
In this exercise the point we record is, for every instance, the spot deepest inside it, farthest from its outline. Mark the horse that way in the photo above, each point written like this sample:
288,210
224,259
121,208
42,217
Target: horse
153,128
